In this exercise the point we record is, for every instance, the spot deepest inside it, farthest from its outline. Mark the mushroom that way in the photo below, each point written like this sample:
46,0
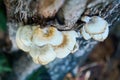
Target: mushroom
85,35
101,37
42,55
95,27
67,44
23,37
44,45
49,35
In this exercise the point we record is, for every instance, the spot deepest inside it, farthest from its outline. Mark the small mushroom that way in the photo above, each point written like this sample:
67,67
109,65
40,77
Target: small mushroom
67,44
101,37
49,35
23,37
85,35
95,27
42,55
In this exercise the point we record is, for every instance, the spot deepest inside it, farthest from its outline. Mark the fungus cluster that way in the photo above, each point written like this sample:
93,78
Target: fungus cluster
95,27
44,45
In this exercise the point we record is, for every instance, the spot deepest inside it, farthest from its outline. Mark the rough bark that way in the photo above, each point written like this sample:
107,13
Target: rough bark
58,68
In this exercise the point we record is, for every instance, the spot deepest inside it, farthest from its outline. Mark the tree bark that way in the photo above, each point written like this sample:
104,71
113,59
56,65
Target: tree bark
16,14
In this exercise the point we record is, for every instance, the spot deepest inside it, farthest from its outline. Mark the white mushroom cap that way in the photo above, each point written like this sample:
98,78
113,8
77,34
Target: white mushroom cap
42,55
48,35
71,35
22,46
85,35
67,45
26,34
101,37
23,38
96,25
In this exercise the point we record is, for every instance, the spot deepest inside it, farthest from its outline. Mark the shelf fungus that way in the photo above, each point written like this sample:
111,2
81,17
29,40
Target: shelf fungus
23,37
47,35
67,45
95,27
45,44
42,55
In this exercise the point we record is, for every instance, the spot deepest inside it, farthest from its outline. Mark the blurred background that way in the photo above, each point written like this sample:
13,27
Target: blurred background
101,64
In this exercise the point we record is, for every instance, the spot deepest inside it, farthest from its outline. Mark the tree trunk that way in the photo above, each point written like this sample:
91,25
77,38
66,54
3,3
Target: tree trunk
26,12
